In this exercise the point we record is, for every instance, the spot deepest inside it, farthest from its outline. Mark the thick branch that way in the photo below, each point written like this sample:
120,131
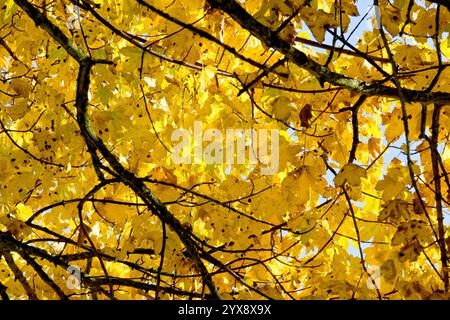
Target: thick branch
128,178
11,244
355,126
43,275
438,193
204,34
145,286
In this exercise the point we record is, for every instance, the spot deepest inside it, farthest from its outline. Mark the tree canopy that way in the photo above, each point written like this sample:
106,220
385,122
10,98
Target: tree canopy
93,205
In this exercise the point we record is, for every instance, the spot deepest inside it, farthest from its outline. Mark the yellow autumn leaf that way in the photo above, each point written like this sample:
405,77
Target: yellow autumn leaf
389,270
393,210
21,86
445,47
23,212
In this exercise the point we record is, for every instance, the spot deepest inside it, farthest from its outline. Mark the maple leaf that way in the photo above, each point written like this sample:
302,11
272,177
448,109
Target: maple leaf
393,210
350,173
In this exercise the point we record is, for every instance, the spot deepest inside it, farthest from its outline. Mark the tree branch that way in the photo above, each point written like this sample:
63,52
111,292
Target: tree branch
438,193
41,20
19,275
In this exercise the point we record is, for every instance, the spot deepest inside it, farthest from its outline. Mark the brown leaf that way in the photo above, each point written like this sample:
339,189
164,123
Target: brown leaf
305,115
82,235
417,207
410,252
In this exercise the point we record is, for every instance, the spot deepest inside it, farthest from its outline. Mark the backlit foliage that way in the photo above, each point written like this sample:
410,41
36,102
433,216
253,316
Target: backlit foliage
91,91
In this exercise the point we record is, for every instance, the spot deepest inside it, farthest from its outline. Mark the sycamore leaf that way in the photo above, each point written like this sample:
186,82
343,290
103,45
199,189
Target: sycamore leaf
445,47
410,231
392,185
393,210
83,233
412,290
318,21
392,17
